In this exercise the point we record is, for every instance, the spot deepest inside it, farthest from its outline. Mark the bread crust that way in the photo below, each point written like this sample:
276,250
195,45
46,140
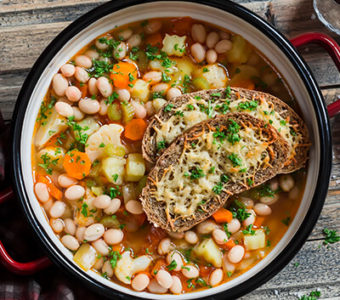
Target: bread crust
155,210
149,147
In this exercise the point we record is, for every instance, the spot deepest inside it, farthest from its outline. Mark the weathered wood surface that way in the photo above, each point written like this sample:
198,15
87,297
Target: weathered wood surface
26,28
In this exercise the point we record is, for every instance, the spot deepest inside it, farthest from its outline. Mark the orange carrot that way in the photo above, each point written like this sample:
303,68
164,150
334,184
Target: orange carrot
117,248
54,191
134,130
77,164
155,40
223,215
258,222
229,244
123,74
83,89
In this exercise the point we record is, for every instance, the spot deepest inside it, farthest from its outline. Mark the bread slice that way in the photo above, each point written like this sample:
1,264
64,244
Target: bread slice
207,164
187,110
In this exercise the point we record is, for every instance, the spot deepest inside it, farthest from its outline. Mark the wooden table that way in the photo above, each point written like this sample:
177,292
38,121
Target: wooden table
27,26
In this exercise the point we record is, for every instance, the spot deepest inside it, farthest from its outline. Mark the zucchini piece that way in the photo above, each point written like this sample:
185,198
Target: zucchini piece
110,222
201,83
114,150
114,112
128,111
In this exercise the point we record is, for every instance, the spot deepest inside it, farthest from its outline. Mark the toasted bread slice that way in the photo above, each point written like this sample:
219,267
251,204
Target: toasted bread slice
207,164
185,111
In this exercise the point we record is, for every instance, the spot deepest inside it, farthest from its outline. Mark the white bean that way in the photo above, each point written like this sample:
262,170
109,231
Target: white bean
113,236
164,246
92,86
89,106
156,288
173,92
125,34
83,61
219,236
92,54
269,199
149,108
191,237
160,88
206,227
78,114
294,193
103,107
176,287
73,93
64,109
134,207
59,84
236,254
175,256
66,181
70,242
212,39
81,75
153,26
134,40
216,277
190,271
164,278
227,265
74,192
176,235
57,225
99,263
80,233
251,219
224,35
57,209
152,77
94,232
101,247
120,51
286,182
262,209
70,227
274,184
104,86
211,56
198,52
140,282
198,33
113,207
41,191
123,95
223,46
140,111
102,201
101,45
67,70
63,99
107,269
234,225
248,203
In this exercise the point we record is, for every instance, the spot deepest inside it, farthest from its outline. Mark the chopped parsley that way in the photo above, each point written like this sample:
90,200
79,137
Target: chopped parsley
225,227
248,105
222,108
266,191
235,159
165,77
115,177
314,295
286,221
168,107
205,69
84,210
179,113
172,265
196,173
161,145
48,162
190,107
114,192
331,236
114,257
228,92
249,230
233,129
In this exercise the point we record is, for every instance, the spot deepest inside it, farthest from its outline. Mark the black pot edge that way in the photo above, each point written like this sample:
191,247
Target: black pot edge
321,113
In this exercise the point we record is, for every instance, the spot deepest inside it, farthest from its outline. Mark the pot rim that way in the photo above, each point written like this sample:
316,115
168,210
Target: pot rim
288,50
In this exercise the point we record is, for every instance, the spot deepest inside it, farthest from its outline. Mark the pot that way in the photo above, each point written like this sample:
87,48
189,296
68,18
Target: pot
221,13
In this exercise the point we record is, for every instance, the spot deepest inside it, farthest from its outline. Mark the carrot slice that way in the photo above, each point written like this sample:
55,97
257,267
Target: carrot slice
53,190
123,74
258,222
83,89
77,164
223,215
134,130
155,40
229,244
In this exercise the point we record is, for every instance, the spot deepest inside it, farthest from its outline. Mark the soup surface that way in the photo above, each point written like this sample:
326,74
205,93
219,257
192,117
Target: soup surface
89,170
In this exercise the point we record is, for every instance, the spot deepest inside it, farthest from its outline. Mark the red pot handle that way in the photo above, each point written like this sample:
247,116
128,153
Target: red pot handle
332,47
9,263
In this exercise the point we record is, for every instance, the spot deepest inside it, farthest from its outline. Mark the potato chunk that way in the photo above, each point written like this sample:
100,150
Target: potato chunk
135,167
113,169
256,241
214,75
174,45
208,250
85,256
140,90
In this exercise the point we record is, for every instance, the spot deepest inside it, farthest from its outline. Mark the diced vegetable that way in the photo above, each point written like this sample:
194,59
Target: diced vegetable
77,164
135,167
214,75
256,241
113,169
53,190
128,111
110,222
158,103
240,51
174,45
223,215
97,190
134,130
209,251
89,125
201,83
157,66
141,184
85,257
244,77
114,150
107,134
114,112
123,74
49,128
140,90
